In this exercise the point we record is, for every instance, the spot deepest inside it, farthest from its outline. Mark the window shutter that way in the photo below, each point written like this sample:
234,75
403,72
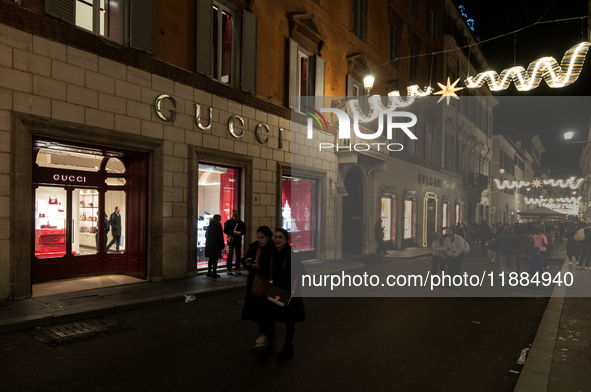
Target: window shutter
142,25
293,73
249,52
349,86
61,9
319,82
204,37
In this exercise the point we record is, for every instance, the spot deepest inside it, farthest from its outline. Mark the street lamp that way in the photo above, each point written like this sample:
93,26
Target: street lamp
368,81
568,135
502,171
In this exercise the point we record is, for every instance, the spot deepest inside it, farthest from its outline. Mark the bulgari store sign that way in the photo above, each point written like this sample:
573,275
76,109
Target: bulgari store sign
261,131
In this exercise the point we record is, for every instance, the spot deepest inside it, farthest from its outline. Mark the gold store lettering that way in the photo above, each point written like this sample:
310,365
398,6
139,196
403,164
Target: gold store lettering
260,128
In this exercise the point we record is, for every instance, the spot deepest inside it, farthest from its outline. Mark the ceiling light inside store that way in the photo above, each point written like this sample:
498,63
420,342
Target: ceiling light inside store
214,169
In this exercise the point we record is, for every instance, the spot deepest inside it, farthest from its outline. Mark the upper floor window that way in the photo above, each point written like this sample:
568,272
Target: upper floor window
394,45
306,77
102,17
128,22
223,23
414,8
433,24
414,62
359,16
227,44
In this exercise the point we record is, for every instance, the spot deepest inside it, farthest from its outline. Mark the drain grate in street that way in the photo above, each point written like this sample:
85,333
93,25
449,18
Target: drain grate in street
72,329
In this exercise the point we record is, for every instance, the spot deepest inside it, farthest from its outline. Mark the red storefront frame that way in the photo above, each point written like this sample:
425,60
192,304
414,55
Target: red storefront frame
67,264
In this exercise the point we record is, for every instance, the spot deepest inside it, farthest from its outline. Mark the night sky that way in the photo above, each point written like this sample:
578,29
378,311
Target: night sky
549,111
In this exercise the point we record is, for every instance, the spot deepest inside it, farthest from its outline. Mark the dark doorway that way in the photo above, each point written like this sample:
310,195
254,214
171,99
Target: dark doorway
353,214
431,214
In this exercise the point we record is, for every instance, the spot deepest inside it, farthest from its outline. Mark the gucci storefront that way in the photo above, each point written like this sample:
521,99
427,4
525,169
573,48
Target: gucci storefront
76,189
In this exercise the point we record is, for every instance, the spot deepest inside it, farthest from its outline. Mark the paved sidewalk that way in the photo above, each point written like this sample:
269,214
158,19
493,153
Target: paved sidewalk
560,357
80,305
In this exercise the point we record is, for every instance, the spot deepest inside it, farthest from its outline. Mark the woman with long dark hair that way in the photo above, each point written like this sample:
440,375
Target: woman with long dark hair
258,260
285,262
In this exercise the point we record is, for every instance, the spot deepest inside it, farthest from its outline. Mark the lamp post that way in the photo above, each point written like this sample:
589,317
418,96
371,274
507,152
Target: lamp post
368,81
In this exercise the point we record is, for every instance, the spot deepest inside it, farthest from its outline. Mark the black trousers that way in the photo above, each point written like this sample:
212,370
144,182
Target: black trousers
115,241
455,264
235,249
586,255
212,265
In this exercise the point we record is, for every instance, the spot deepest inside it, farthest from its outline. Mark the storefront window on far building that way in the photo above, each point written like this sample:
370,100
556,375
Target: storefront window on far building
386,217
407,219
298,212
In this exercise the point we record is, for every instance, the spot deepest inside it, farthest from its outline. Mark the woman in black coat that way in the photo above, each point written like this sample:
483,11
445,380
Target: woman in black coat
214,244
284,262
257,259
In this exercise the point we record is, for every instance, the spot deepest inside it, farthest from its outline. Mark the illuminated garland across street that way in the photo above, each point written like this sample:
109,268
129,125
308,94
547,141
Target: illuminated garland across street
556,75
537,183
564,200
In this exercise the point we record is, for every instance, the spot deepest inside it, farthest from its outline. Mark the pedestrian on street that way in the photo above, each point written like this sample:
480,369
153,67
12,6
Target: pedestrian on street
214,244
379,231
115,221
483,232
541,241
284,261
472,235
258,260
509,246
573,248
455,247
459,231
489,243
586,249
536,264
234,229
439,254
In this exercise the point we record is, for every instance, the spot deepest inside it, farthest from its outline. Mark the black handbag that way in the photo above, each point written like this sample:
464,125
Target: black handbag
278,295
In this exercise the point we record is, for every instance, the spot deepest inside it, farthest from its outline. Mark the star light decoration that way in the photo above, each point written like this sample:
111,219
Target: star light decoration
448,91
537,183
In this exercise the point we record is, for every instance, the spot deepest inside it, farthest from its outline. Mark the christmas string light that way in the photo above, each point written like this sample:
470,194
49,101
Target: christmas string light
510,184
571,183
547,68
564,200
376,107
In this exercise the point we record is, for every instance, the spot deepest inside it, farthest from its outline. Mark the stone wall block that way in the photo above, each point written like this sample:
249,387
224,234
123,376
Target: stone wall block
32,104
67,111
31,62
98,118
100,82
13,79
82,96
112,68
68,73
82,58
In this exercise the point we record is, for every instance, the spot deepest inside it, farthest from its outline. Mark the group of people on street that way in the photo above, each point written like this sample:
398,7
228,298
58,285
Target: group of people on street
504,244
269,261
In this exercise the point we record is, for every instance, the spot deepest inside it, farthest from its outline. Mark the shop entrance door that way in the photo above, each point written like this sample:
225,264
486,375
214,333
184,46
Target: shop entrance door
76,191
353,214
431,217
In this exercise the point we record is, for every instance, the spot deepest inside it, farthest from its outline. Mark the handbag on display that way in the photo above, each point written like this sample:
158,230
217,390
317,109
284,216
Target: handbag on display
60,208
52,199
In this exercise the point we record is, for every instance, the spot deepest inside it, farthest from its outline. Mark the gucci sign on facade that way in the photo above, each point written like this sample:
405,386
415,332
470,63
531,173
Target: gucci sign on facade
262,130
69,178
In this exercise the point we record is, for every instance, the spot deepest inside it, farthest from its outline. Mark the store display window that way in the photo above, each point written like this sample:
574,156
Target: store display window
50,222
218,193
298,212
408,219
445,217
386,217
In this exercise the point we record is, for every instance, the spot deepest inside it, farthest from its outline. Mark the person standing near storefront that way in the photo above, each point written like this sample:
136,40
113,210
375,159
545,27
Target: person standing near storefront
115,221
235,230
379,229
455,247
214,244
106,231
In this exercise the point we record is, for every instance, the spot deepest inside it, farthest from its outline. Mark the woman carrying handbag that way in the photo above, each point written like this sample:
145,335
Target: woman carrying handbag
257,261
283,263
